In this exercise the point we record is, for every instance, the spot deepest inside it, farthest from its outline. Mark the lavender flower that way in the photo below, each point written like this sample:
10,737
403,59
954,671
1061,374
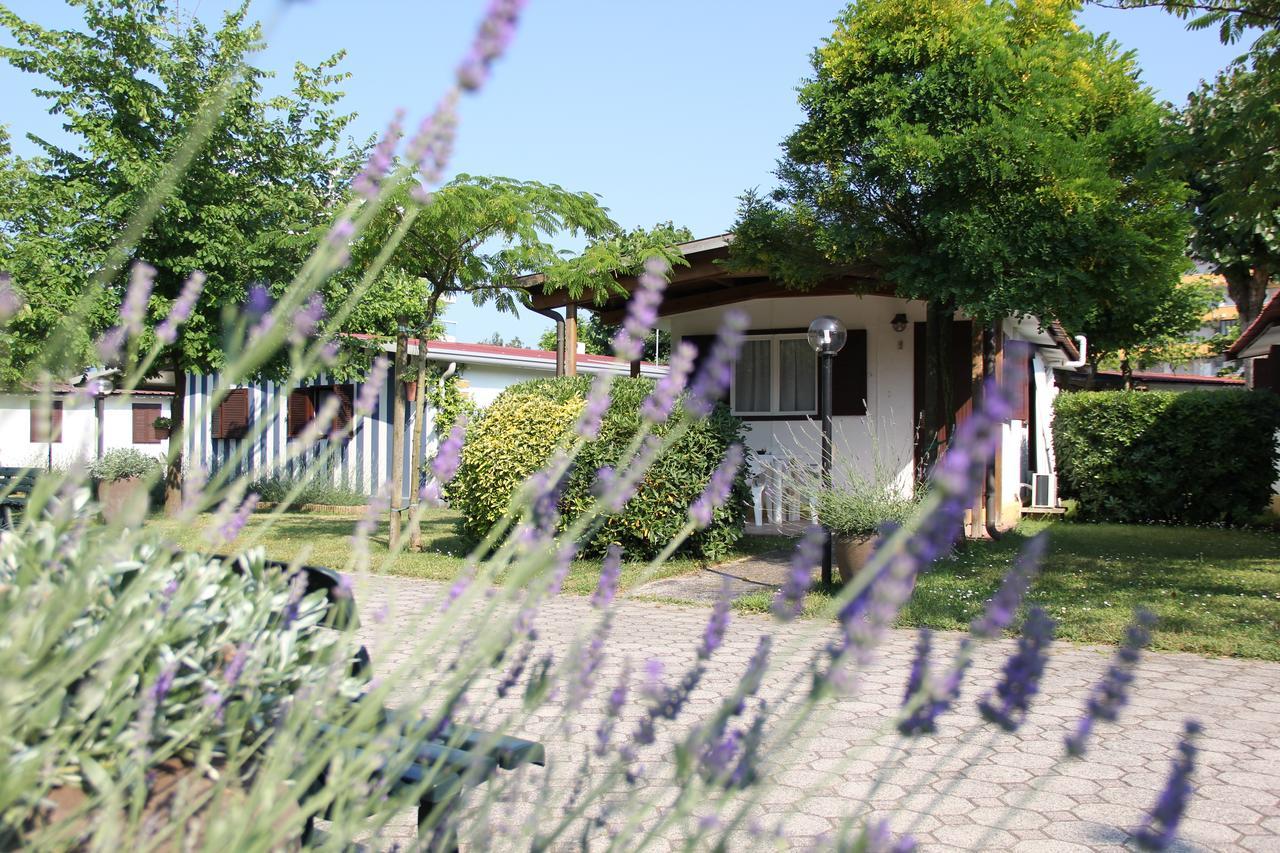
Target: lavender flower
1159,828
716,373
10,298
1022,672
658,405
110,345
292,605
593,413
613,708
876,838
371,389
1004,604
369,181
236,666
432,145
1110,694
717,624
180,311
258,302
716,494
610,570
642,311
491,41
613,490
449,456
307,319
162,685
329,353
516,670
460,584
789,601
340,234
142,277
560,570
236,522
214,701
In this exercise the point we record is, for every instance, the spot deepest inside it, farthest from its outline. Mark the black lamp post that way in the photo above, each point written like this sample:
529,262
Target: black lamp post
827,336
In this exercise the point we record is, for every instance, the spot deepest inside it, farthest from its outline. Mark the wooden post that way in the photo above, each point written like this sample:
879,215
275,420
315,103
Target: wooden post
977,527
995,496
635,369
399,369
571,340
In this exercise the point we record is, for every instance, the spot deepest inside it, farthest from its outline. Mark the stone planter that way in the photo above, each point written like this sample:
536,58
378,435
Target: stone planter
125,501
852,553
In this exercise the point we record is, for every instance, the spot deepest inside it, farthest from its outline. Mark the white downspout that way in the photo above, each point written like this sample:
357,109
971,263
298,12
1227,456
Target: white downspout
1083,343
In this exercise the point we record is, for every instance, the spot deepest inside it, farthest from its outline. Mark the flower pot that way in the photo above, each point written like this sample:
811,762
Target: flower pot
852,553
124,501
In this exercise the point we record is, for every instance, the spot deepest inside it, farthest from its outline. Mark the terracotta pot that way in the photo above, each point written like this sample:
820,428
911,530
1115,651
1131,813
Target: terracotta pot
123,500
852,553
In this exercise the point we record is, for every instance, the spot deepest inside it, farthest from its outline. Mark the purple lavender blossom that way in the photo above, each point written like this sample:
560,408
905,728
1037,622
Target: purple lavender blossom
1161,825
236,667
716,373
307,319
615,491
142,278
718,489
657,407
459,586
1004,604
789,601
163,684
610,571
613,708
593,412
369,181
1110,694
877,838
491,41
110,345
642,310
329,353
432,146
297,589
516,670
10,298
560,566
1022,672
258,302
215,702
717,624
340,234
371,389
180,311
236,522
449,456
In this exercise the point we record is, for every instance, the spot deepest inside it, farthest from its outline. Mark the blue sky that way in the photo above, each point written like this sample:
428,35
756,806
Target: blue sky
668,109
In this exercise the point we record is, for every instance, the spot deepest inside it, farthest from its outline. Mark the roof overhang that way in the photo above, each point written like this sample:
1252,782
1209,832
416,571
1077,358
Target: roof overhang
706,282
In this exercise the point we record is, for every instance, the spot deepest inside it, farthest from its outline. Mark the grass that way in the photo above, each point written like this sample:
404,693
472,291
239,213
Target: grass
1216,591
324,540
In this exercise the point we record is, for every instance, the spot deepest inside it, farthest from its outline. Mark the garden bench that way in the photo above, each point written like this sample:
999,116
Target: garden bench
457,757
16,485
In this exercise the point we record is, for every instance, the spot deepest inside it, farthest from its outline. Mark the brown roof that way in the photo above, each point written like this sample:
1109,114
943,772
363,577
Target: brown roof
1265,319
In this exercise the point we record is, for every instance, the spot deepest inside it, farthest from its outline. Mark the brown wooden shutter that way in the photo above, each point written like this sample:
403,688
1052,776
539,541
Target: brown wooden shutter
46,426
231,418
144,423
702,343
849,376
346,404
302,410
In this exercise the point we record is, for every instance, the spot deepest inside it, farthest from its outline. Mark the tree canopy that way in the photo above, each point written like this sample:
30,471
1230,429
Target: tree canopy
986,156
132,88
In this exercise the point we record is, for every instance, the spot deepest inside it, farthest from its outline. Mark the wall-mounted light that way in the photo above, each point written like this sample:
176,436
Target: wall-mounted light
899,323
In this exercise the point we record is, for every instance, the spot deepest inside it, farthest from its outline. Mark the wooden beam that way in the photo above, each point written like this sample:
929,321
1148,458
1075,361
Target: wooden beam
571,340
676,303
977,525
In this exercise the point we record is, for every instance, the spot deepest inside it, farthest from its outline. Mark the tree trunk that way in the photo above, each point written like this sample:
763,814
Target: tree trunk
1248,290
416,455
397,439
1126,373
173,474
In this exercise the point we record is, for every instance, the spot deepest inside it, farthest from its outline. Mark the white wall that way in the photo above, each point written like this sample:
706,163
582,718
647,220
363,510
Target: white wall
886,434
79,430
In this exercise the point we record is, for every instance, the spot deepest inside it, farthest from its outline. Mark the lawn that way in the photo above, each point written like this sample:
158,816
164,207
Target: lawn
325,541
1216,591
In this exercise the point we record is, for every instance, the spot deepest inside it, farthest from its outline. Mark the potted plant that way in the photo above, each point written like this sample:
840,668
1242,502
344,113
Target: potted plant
855,514
121,474
162,426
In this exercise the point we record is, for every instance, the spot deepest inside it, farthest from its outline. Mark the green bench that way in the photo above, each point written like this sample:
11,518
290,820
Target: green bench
454,758
16,485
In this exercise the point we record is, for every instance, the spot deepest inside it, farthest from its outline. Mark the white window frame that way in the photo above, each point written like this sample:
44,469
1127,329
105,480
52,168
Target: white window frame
775,384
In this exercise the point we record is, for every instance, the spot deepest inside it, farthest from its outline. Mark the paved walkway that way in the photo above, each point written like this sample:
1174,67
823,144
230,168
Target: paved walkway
965,788
760,572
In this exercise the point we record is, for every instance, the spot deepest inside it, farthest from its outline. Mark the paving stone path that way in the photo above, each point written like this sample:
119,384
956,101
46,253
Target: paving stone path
952,790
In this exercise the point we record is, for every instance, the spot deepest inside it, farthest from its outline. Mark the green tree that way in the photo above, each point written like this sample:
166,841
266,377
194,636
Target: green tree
1131,337
480,237
989,157
133,88
598,338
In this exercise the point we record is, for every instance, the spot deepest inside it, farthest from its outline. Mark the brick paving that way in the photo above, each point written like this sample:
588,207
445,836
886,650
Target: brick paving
967,787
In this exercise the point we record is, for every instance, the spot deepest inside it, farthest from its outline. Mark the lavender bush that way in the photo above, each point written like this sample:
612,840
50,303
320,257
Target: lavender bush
121,660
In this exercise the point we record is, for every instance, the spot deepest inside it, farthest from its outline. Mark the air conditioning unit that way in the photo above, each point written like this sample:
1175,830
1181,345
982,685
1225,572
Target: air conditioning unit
1044,490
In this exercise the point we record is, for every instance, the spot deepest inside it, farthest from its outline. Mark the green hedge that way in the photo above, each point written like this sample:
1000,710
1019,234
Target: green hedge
1200,457
517,433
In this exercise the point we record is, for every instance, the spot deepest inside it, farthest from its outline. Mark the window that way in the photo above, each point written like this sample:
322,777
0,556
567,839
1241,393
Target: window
776,375
46,422
144,423
304,403
231,418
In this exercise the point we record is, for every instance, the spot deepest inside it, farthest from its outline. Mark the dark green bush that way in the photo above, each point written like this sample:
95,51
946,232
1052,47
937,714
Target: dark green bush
517,433
1201,457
